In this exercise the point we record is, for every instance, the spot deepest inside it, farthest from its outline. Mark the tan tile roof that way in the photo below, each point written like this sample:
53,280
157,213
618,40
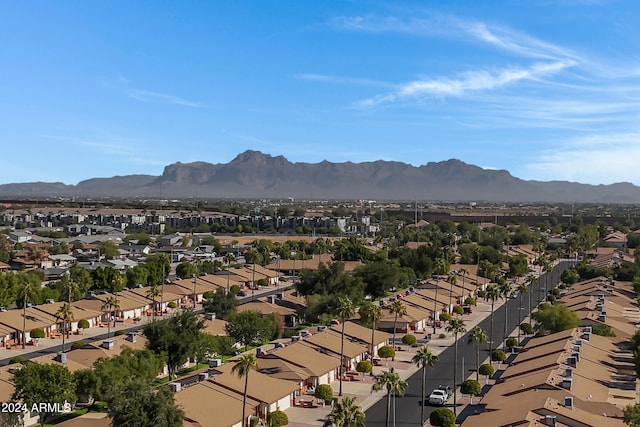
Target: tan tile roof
361,333
215,327
265,308
261,387
282,369
13,319
210,405
90,419
308,358
332,342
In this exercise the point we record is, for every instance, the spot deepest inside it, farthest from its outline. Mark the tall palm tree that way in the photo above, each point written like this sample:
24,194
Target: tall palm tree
345,414
154,292
463,272
423,359
346,310
371,313
397,309
493,294
196,262
522,289
25,294
393,384
110,305
456,326
66,314
479,337
506,289
245,364
452,278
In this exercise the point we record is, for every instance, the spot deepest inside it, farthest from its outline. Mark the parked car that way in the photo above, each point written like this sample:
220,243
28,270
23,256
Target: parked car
438,397
446,389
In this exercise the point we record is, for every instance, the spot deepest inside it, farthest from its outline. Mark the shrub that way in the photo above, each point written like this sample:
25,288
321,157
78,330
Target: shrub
471,387
172,305
78,344
386,352
486,369
482,294
17,359
551,298
498,356
253,421
458,310
37,333
277,419
442,336
555,292
602,330
324,392
234,290
208,295
444,317
119,332
364,366
511,343
83,324
442,417
409,339
526,328
470,301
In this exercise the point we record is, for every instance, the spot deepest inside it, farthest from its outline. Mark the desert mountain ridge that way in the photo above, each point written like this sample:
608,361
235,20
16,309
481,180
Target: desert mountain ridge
253,174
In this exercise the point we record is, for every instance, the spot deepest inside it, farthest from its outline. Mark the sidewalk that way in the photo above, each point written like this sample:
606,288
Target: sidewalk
361,390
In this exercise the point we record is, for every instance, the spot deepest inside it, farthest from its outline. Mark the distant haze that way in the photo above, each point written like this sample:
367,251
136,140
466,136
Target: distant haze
253,174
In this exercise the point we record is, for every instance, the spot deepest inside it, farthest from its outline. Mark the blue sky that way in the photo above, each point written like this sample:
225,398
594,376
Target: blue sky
545,89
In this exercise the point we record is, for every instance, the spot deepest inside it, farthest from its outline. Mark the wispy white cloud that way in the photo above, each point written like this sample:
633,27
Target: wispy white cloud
344,80
150,96
125,86
467,82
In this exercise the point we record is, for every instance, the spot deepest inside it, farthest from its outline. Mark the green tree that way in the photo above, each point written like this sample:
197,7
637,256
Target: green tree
409,340
472,388
26,293
83,324
345,414
221,303
386,351
478,336
177,338
345,311
555,318
486,370
36,383
323,392
248,327
242,367
498,356
364,367
442,417
277,418
631,415
108,249
512,343
154,292
37,334
137,403
423,359
378,277
393,384
456,327
185,269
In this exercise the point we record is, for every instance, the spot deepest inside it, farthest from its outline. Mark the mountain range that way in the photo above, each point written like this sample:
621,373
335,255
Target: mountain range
253,174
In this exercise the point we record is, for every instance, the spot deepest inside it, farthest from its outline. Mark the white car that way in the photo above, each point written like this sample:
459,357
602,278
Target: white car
438,397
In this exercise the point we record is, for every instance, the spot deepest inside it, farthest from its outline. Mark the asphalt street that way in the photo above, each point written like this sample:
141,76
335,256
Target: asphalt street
407,407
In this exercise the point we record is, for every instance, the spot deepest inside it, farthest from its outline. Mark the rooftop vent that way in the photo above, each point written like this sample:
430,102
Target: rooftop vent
202,376
296,338
567,383
322,328
211,316
588,329
175,387
108,344
568,402
214,363
549,420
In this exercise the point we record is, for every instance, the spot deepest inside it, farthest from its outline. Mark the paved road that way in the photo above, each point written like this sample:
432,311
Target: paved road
407,408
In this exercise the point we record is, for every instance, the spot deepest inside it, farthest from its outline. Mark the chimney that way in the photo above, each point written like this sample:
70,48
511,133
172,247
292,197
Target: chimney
271,299
572,361
131,336
568,373
211,316
567,383
577,356
602,317
175,387
568,402
549,420
588,329
259,352
586,336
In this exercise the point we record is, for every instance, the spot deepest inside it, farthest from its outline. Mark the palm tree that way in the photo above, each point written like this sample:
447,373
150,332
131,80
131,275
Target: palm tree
110,305
242,367
479,337
522,289
371,313
345,414
505,290
397,309
228,258
493,294
440,268
154,292
456,326
196,262
66,314
423,359
25,294
463,272
392,383
346,310
452,278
